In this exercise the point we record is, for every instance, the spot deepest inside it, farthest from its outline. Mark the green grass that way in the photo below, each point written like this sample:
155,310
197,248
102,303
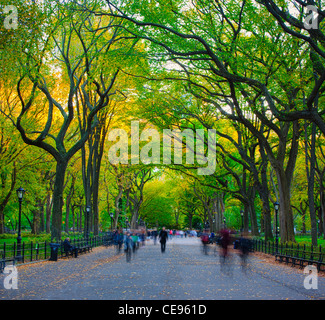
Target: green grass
307,240
304,239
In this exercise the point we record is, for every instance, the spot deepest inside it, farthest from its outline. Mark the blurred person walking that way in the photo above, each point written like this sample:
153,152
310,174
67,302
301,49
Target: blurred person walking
155,235
205,241
163,238
225,241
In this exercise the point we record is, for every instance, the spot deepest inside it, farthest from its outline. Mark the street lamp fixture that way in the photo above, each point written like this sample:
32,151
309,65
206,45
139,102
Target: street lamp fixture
111,215
20,195
276,207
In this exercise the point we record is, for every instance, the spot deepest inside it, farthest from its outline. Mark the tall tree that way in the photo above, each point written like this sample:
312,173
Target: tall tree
73,45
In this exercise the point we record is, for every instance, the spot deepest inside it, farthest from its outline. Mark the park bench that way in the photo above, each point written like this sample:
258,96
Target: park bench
283,256
108,241
312,258
81,245
84,246
67,253
300,256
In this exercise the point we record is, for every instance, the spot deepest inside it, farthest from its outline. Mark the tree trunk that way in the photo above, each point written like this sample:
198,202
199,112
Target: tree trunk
42,222
220,210
6,199
37,214
86,177
73,218
190,219
285,211
263,191
252,213
251,208
96,162
95,211
310,165
67,213
80,219
48,210
117,209
135,216
322,205
61,168
246,218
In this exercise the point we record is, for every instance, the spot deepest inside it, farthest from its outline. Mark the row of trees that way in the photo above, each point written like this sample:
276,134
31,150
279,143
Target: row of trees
256,65
252,71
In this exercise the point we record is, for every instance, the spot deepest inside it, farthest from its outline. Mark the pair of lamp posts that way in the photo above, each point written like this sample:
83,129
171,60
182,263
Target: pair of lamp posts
20,195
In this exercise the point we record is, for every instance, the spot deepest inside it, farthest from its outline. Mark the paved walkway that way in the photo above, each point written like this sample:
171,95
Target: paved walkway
182,272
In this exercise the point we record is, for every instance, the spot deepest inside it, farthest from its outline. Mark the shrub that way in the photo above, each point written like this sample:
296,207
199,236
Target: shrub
8,236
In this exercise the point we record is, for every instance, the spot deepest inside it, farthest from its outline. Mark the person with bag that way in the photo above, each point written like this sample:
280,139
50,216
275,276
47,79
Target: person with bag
205,241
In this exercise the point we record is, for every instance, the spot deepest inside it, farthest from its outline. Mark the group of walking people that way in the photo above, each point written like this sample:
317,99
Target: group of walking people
133,239
224,240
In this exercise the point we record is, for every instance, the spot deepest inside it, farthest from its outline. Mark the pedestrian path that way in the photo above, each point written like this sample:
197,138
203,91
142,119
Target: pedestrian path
181,273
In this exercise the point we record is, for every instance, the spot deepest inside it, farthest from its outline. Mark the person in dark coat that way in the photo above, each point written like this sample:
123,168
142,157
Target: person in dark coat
225,241
154,234
163,235
68,247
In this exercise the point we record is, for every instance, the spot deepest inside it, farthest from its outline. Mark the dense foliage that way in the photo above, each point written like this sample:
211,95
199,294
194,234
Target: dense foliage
92,90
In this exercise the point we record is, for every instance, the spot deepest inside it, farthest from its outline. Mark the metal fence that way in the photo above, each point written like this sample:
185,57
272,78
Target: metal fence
37,251
269,247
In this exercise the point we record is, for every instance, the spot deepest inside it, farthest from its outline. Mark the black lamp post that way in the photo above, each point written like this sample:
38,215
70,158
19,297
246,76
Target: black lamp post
276,207
224,223
242,220
126,223
87,226
20,195
111,215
